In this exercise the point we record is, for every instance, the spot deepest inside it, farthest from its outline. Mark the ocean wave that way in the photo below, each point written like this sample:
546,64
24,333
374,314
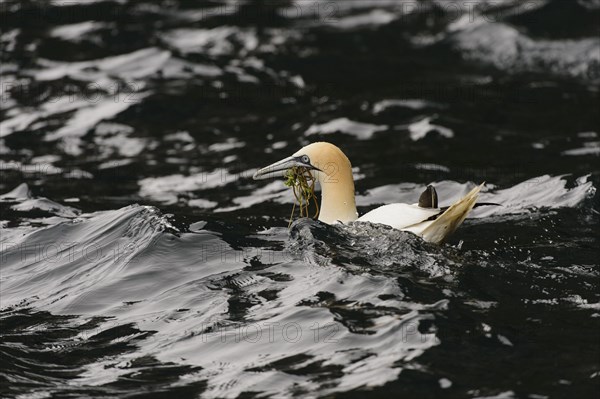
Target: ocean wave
543,192
133,266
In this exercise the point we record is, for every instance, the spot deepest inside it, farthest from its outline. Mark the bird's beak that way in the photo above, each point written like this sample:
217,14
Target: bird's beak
277,169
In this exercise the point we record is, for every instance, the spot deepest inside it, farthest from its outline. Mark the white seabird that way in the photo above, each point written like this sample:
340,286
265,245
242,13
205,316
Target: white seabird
333,172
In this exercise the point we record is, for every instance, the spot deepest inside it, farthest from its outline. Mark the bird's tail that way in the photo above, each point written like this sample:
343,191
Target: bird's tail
449,221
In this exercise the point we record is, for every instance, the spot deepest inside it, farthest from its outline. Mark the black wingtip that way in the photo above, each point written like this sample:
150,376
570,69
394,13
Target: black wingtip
428,198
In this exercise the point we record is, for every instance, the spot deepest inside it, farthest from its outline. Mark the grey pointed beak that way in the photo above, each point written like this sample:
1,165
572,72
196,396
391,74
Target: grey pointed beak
277,169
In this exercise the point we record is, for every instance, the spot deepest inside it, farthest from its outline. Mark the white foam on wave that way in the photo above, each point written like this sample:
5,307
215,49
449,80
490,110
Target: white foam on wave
230,144
274,191
74,32
123,145
373,18
25,202
46,205
344,7
420,129
362,131
20,118
214,42
201,203
70,3
132,66
166,189
544,192
182,136
589,148
19,193
87,117
414,104
505,48
9,40
38,167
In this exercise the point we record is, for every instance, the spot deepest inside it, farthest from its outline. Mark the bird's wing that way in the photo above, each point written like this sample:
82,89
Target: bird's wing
399,216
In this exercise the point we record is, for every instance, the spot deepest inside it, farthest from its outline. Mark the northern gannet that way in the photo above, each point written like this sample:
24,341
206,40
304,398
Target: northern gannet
333,172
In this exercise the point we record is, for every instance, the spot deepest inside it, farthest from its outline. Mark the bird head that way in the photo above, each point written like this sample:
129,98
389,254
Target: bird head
324,160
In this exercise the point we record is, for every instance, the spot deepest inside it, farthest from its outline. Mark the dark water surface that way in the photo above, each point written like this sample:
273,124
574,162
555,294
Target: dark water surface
139,258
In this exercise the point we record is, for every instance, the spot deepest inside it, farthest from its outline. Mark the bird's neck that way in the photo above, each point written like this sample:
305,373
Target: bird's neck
337,196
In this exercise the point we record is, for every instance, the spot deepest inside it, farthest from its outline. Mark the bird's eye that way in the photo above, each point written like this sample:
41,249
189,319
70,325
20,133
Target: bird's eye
305,159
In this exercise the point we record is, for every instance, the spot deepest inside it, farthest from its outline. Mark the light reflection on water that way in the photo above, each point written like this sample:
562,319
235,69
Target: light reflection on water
140,258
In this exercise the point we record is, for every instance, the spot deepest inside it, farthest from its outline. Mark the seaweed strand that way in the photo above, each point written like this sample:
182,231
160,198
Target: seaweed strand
302,182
